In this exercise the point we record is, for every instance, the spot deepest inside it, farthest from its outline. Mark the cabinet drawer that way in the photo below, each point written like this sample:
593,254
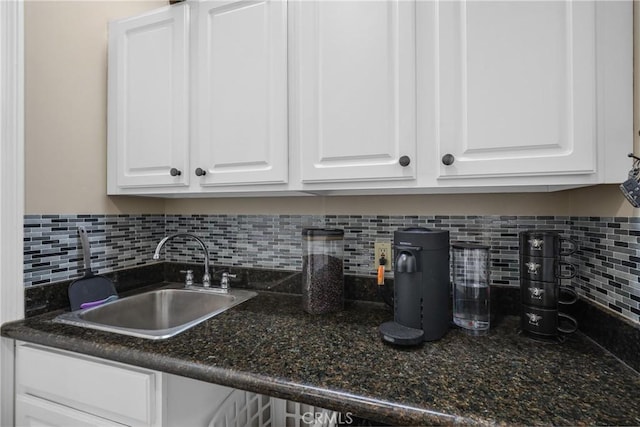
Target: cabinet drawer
34,412
106,389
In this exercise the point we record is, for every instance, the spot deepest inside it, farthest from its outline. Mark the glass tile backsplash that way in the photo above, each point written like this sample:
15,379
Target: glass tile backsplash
608,257
52,251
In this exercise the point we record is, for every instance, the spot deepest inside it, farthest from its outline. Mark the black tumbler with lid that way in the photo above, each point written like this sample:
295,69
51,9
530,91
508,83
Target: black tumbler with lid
322,270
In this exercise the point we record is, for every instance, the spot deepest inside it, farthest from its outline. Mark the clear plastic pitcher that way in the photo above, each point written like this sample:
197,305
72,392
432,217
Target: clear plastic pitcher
471,281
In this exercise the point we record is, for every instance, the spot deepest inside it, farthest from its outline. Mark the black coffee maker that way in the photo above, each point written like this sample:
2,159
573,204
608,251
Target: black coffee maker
421,287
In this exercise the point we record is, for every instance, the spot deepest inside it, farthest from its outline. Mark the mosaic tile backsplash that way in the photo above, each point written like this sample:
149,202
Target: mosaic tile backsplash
52,251
608,258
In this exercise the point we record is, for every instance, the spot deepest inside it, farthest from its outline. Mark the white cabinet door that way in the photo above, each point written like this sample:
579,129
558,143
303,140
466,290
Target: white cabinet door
105,390
241,92
354,90
516,91
148,99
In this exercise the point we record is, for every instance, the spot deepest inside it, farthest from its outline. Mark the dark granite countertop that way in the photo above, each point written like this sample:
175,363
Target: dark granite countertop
269,345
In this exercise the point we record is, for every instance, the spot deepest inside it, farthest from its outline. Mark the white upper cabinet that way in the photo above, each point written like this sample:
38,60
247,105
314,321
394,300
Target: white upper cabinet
516,88
283,97
353,90
198,98
148,121
241,92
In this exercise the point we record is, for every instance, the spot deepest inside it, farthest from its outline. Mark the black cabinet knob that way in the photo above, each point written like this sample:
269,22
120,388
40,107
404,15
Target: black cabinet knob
200,172
448,159
175,172
404,161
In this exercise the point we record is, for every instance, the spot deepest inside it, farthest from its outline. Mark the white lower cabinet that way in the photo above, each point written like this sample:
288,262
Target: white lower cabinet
61,388
66,389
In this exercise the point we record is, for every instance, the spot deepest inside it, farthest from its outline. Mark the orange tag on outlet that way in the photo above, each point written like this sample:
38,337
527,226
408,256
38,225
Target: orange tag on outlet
381,275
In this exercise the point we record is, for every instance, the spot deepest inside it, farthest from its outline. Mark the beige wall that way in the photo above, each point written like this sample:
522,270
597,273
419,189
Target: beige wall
468,204
66,137
603,200
65,107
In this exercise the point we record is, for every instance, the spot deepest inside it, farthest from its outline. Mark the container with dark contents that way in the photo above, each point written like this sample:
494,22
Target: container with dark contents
322,270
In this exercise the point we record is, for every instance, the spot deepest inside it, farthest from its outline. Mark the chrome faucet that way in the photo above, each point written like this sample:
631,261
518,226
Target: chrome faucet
206,278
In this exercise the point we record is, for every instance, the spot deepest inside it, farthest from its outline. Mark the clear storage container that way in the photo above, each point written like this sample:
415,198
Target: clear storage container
322,270
471,287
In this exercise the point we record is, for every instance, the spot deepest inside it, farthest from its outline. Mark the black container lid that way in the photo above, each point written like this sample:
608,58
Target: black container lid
419,230
469,245
540,232
322,232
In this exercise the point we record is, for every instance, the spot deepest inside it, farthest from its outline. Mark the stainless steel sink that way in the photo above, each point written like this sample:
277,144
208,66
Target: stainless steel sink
157,314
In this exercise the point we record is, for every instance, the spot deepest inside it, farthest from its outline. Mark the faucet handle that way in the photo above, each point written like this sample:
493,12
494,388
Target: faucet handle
206,279
188,280
224,283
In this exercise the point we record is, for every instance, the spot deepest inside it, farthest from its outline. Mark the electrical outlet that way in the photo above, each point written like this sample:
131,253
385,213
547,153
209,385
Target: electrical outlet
382,250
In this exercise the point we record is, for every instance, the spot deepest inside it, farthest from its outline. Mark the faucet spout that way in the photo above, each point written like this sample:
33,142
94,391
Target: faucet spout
206,278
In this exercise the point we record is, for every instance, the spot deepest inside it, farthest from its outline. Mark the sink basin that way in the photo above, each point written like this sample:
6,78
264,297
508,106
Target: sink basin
157,314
